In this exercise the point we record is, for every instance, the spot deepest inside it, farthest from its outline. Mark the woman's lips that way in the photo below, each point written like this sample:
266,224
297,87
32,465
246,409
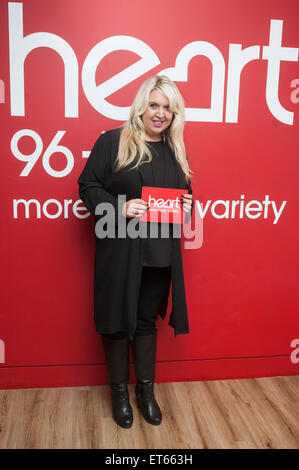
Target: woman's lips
157,123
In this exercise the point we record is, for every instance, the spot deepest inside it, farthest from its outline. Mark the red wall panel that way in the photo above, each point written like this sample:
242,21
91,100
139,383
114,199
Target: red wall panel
236,66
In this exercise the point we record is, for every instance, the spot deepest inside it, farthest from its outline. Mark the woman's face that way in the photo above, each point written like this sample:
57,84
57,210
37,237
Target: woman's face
157,116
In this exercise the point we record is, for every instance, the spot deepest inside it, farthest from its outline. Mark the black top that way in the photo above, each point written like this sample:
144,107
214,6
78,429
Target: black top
160,172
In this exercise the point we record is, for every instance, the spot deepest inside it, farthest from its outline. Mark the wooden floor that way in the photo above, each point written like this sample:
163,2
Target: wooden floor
223,414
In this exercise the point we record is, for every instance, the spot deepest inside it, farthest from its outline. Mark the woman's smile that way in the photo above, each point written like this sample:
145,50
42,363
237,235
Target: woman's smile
158,123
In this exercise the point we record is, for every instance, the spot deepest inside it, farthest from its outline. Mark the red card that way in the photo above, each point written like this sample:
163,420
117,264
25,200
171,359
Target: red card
164,205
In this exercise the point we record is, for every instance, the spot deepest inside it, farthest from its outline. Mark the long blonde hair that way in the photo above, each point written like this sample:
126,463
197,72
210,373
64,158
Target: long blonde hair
132,139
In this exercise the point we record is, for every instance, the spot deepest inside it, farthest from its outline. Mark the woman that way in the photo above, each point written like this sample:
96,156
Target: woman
133,274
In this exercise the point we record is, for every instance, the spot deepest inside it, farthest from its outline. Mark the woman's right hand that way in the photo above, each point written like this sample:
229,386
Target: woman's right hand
134,208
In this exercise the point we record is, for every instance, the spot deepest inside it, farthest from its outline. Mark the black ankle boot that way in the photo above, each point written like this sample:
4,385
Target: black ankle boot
117,353
144,355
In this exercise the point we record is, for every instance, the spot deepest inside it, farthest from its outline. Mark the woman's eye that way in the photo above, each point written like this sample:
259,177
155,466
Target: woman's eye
153,105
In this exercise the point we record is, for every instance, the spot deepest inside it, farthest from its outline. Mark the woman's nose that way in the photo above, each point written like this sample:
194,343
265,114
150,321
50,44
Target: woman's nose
160,112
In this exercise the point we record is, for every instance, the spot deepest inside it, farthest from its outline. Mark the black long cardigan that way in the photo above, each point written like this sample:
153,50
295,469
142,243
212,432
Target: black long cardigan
118,261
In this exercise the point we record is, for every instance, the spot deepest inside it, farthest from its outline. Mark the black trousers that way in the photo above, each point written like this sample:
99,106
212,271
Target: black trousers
154,286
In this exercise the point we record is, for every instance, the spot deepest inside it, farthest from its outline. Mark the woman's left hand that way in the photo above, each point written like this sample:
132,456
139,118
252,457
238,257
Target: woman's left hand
186,199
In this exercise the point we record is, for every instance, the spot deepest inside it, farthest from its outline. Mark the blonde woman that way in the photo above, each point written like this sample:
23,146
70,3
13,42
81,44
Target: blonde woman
133,274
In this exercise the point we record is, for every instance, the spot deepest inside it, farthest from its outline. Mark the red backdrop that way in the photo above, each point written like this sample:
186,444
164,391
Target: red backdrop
69,71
